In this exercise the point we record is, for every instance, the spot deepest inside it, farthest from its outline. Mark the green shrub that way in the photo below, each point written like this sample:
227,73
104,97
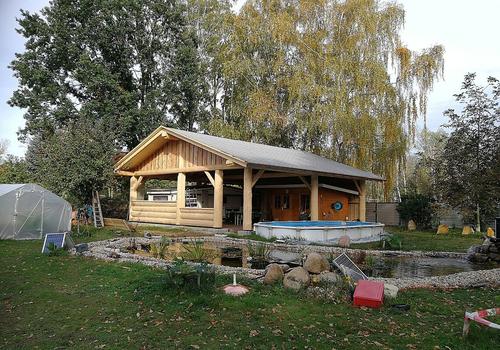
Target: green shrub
390,241
416,207
55,250
181,275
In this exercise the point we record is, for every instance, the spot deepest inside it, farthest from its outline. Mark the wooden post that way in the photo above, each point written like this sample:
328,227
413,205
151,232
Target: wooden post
136,192
247,199
218,198
362,200
181,195
314,198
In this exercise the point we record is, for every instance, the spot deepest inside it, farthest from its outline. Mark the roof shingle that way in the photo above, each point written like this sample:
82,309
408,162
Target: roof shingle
260,155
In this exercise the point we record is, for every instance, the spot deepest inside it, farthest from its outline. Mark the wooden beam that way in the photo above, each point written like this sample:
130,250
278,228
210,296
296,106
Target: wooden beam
362,200
303,179
194,169
314,198
340,189
266,175
357,185
124,173
136,192
218,198
257,177
210,178
181,196
138,183
247,199
282,186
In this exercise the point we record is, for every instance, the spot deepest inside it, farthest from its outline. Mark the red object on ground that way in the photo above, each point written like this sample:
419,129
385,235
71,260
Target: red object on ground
369,293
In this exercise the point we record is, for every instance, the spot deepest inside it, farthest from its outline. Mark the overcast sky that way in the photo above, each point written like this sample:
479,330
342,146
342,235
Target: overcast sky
467,29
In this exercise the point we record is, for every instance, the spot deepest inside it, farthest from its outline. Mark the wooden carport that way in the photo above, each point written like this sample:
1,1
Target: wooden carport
186,156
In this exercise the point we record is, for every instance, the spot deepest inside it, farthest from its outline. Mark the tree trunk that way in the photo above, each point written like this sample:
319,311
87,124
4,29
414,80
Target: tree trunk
478,219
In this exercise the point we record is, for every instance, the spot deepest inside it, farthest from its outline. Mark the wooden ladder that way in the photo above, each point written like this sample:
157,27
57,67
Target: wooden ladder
96,206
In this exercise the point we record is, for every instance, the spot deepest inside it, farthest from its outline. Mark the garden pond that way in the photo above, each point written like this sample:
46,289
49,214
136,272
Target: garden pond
259,255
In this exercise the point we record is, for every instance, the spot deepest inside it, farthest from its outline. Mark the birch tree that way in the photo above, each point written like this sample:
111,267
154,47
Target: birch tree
331,76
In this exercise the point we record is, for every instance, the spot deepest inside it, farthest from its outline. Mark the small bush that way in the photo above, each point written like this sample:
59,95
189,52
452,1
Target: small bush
55,250
416,207
390,241
181,275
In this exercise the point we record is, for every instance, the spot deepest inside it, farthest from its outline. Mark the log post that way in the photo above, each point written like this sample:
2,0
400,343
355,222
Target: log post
218,198
136,192
247,199
362,200
314,198
181,195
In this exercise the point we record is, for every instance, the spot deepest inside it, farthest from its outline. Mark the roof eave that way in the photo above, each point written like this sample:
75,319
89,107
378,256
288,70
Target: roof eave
309,172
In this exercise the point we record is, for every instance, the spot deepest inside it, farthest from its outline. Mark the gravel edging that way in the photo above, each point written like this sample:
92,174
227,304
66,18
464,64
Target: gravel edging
470,279
109,250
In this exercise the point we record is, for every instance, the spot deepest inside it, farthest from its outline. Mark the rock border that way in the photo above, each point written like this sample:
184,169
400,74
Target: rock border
109,250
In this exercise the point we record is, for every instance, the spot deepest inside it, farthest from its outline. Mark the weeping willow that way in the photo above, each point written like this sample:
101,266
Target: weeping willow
328,76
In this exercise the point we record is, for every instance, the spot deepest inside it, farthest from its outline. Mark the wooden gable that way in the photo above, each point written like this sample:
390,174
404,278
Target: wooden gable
179,154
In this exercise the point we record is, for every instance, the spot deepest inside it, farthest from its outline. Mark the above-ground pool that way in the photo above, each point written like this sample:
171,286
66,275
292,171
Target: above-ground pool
320,231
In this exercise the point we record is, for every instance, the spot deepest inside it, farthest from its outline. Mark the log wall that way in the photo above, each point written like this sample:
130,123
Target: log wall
161,212
197,217
165,212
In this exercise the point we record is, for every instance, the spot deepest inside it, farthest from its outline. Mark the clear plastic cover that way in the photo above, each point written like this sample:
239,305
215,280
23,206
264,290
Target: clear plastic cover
28,211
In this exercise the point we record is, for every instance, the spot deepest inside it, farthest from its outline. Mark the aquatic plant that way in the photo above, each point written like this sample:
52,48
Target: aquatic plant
370,261
197,252
259,251
159,250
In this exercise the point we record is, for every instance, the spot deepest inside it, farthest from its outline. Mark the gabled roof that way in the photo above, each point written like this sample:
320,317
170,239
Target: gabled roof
259,156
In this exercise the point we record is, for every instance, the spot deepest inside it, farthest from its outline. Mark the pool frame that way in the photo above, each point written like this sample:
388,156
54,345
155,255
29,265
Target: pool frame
367,232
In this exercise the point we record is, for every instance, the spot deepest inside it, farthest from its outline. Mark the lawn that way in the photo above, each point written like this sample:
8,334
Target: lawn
75,302
430,241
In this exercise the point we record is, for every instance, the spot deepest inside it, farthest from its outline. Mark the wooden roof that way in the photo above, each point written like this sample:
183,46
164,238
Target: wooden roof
233,153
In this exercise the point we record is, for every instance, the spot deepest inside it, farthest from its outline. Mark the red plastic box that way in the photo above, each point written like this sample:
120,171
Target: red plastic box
369,293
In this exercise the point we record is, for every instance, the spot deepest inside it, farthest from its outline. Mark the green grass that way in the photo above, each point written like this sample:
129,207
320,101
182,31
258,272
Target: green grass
90,233
252,237
429,241
81,303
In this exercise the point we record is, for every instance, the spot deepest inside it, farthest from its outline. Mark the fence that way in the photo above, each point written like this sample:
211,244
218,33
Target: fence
383,212
386,213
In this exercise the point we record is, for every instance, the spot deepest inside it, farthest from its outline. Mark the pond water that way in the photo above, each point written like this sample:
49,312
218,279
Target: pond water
398,267
389,267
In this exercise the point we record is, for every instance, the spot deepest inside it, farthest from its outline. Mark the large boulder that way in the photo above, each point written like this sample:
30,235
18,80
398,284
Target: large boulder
344,242
467,230
316,263
390,291
274,273
490,232
297,278
329,277
412,226
284,267
442,229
